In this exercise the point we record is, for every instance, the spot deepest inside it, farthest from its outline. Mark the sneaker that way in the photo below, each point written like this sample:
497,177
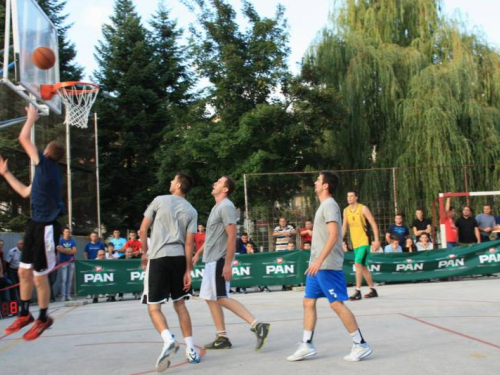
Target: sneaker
20,322
356,296
68,298
95,300
266,289
373,293
221,342
305,350
38,329
169,348
261,331
359,352
244,290
192,355
62,299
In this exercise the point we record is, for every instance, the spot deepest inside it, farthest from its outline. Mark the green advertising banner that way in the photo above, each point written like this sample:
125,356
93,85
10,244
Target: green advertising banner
288,267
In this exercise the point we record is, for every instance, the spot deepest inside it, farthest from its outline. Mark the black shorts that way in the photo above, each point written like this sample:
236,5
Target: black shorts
165,280
40,241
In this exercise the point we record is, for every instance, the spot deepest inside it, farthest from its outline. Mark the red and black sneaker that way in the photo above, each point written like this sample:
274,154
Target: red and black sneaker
373,293
38,329
20,322
356,296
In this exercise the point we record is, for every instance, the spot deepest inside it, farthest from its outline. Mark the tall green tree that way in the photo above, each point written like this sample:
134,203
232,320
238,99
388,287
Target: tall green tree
418,89
241,122
142,81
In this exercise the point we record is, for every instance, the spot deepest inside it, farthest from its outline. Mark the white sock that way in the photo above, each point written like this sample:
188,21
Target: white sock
254,323
356,337
307,337
166,335
189,342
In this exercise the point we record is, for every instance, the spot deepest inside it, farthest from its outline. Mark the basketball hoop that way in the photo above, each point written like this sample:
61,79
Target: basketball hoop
78,98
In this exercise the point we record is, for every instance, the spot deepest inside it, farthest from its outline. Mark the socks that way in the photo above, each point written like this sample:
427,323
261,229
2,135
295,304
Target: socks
222,333
307,337
43,315
25,308
254,323
357,337
166,335
189,342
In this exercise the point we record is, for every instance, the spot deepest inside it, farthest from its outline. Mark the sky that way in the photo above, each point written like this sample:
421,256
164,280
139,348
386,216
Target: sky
305,18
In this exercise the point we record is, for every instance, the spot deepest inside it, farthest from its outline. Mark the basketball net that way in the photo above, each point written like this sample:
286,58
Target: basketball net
77,97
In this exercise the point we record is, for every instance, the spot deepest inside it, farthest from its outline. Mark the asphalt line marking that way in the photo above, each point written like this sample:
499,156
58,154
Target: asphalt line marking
451,331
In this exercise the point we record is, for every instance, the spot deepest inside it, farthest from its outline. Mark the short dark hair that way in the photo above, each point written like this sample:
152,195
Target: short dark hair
400,214
466,206
488,204
186,181
332,179
393,238
420,209
229,184
309,220
309,242
66,228
355,192
110,244
93,232
244,234
56,151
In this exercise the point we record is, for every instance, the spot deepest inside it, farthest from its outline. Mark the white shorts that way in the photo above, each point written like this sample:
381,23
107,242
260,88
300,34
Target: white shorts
213,285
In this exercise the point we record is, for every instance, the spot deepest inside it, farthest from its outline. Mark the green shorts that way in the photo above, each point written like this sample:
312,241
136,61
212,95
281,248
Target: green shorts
361,254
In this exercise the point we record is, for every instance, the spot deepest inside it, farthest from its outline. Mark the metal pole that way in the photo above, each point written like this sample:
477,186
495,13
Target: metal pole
6,41
68,173
246,204
99,230
395,191
466,184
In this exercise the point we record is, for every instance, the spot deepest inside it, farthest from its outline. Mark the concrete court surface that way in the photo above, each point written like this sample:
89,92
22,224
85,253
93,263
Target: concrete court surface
424,328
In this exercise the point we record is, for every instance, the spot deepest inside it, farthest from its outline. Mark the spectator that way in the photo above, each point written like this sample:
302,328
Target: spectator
93,247
242,243
468,228
393,246
283,233
486,222
251,248
306,233
290,246
12,260
1,253
199,238
409,246
398,230
306,246
450,227
111,253
67,253
425,243
118,244
134,243
101,254
5,296
421,225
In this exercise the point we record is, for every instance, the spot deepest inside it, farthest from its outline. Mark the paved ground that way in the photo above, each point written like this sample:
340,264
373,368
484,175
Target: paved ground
430,328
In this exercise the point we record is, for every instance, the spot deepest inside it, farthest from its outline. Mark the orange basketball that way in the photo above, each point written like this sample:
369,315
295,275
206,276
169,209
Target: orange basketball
44,58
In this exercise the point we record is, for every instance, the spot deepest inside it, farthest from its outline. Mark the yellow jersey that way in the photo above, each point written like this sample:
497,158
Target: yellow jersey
357,226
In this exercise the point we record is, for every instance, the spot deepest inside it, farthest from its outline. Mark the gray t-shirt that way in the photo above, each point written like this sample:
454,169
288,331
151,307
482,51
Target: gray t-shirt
173,217
222,214
327,212
485,221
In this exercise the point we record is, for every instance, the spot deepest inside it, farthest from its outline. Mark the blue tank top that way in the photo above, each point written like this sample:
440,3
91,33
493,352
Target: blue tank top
46,202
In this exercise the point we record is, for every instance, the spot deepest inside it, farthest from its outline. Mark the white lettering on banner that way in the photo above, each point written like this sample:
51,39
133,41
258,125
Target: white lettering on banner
283,269
488,258
241,271
371,267
410,267
451,263
197,272
98,277
137,275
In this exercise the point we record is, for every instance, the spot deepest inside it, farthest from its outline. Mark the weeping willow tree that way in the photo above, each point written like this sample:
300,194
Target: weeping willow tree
418,89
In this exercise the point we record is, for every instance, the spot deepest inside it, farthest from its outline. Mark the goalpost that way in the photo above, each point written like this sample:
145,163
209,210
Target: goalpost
442,213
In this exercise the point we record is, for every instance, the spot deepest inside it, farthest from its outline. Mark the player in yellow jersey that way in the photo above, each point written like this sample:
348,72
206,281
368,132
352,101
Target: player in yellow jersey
355,216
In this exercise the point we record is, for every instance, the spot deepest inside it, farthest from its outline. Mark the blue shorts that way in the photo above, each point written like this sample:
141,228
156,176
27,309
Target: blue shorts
327,283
